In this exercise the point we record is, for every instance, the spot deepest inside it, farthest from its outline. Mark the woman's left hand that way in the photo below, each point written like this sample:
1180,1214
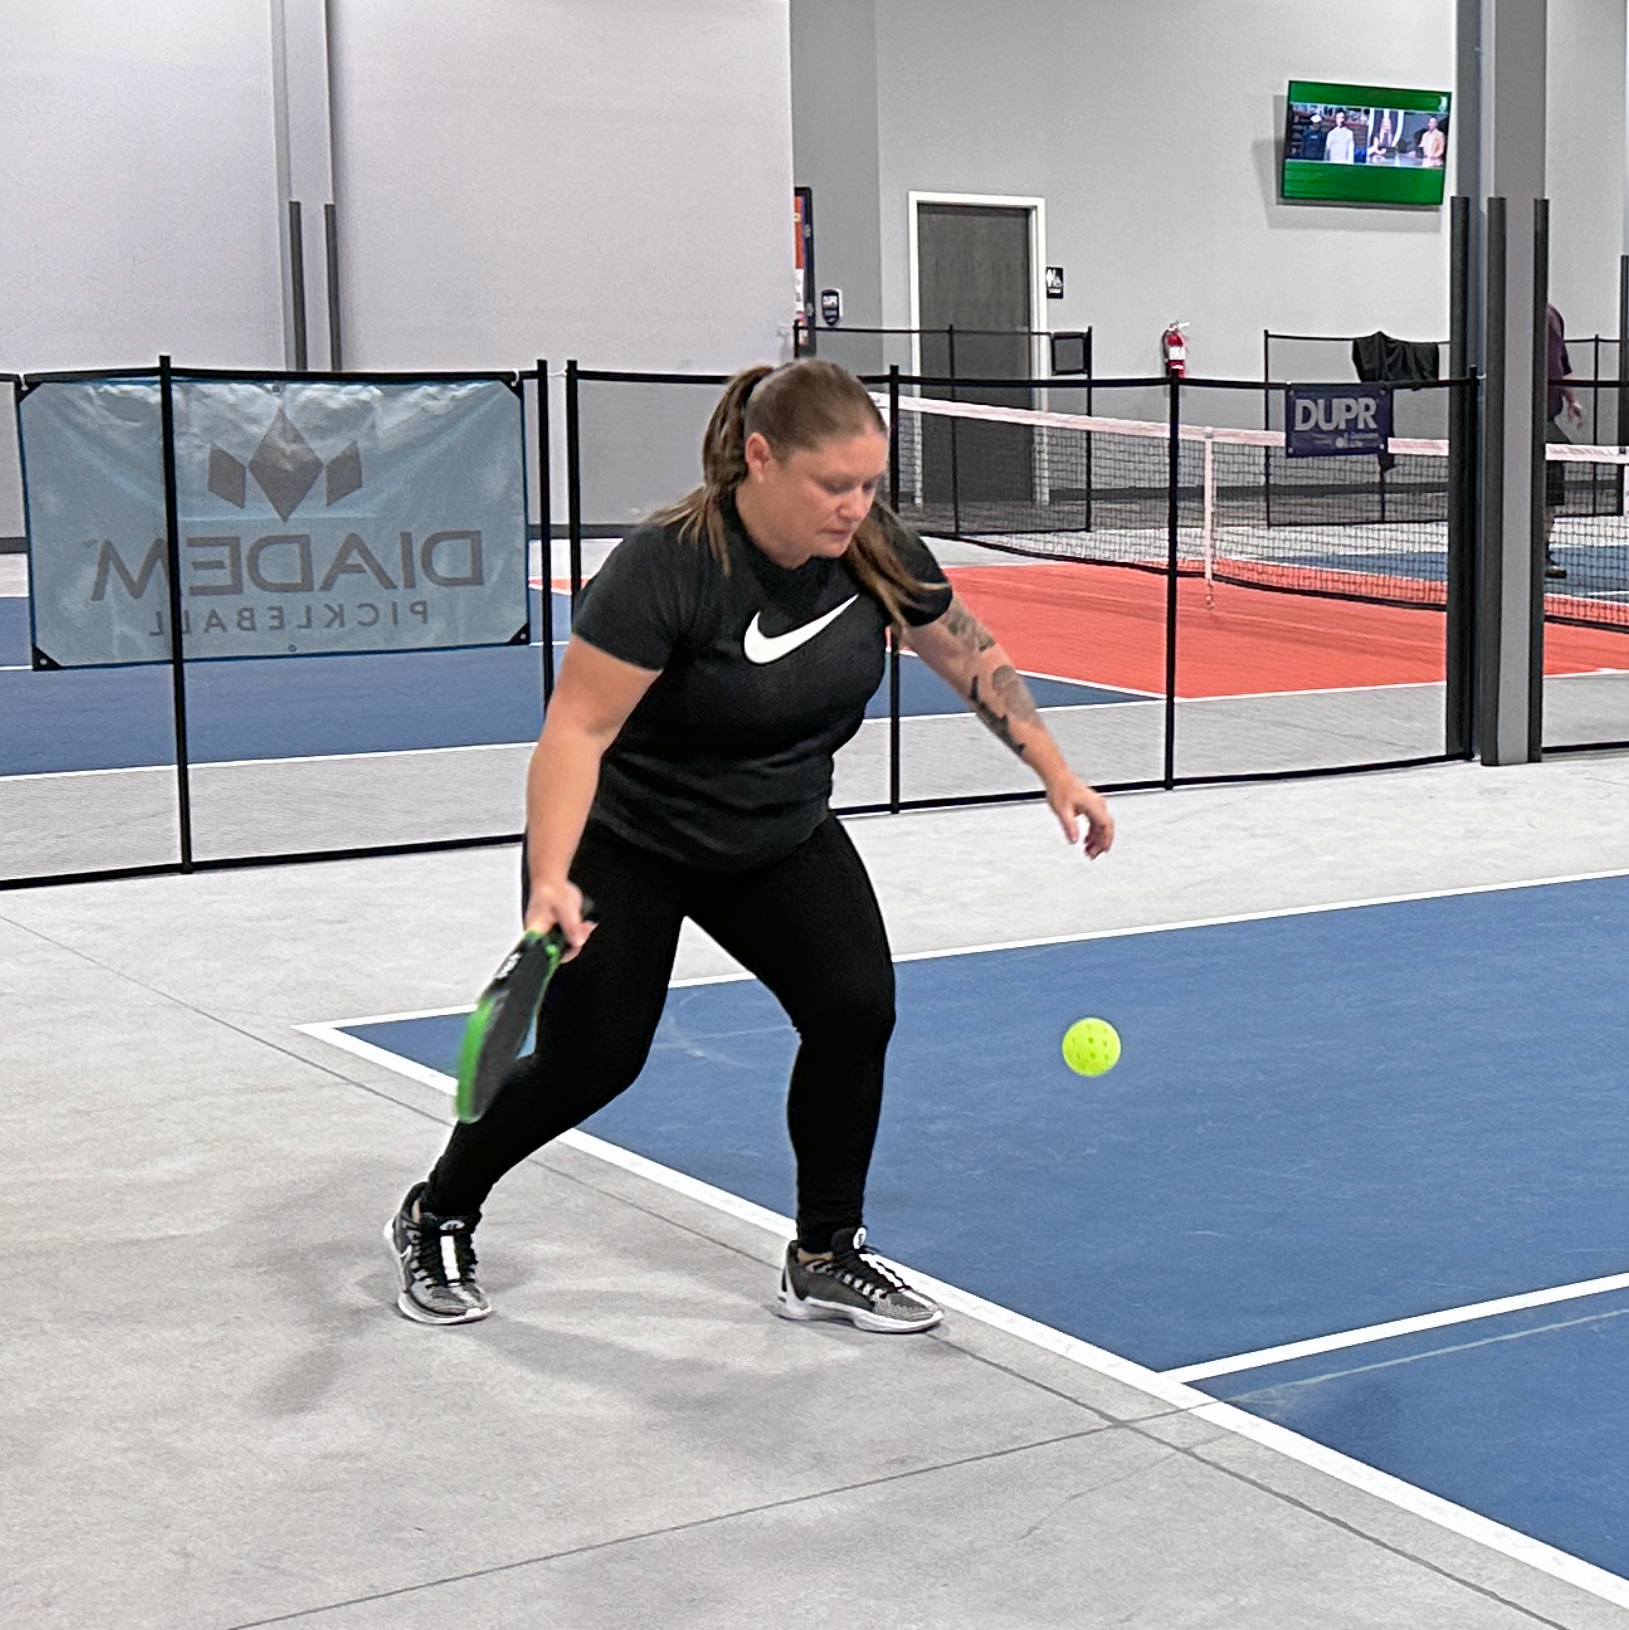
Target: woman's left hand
1071,799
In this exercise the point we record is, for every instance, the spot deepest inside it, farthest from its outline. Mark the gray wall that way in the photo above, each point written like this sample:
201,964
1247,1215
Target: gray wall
605,179
1152,131
138,192
139,185
834,151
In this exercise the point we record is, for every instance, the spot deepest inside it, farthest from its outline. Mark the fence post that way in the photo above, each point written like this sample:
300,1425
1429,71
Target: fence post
545,516
1172,520
574,483
894,775
1459,588
178,674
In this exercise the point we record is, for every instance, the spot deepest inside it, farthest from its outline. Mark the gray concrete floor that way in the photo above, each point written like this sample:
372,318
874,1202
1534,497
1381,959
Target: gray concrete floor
211,1416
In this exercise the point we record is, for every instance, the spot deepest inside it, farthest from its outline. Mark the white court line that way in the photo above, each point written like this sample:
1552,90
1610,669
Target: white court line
328,1030
308,758
1396,1327
1262,916
1319,690
1292,1445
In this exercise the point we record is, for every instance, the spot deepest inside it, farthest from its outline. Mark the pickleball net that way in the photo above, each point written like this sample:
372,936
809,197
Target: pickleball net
1229,505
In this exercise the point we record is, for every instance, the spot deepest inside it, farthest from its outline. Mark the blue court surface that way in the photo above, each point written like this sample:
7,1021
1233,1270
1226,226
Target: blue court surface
1322,1122
291,707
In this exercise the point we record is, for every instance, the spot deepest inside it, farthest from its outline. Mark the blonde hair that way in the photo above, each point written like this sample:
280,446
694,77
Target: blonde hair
799,406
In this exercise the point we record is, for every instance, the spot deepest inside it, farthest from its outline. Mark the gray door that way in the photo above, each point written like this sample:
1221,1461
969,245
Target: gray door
975,278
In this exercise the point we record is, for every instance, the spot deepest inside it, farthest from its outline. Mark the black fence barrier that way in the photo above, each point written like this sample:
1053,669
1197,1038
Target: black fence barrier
269,617
1114,533
953,352
1584,597
1173,635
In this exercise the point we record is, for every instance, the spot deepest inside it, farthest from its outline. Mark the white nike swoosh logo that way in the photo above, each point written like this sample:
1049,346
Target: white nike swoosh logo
761,647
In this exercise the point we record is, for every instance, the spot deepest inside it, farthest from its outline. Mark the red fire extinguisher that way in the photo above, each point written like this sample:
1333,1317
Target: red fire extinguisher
1175,346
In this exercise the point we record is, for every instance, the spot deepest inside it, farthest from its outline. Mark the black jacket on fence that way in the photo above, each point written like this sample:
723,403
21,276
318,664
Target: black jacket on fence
1380,358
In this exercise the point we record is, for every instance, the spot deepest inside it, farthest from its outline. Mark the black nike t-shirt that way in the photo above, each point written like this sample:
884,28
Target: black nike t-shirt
765,672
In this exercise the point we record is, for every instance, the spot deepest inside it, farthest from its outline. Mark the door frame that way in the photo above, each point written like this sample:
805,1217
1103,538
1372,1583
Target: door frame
1036,208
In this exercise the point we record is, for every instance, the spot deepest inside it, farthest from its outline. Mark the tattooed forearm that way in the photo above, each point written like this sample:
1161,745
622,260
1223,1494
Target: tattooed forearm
964,627
1009,699
1010,687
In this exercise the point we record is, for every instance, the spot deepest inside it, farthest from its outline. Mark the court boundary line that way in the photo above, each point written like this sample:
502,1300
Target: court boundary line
255,763
1293,1446
1367,1335
1260,916
322,1028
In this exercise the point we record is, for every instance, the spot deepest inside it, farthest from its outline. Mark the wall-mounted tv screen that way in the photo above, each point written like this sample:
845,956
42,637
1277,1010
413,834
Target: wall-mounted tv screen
1365,144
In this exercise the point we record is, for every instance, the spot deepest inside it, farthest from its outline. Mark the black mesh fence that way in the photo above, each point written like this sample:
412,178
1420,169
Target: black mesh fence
974,356
1187,601
1586,576
267,615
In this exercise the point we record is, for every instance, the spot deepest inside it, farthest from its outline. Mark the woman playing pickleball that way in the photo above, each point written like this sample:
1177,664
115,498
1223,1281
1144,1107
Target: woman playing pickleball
717,662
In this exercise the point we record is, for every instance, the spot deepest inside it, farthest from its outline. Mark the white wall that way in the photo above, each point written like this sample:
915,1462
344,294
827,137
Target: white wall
1584,162
138,192
1152,131
834,147
604,179
138,202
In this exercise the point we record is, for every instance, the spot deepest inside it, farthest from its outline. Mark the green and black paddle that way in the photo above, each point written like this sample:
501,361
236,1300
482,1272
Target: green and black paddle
497,1028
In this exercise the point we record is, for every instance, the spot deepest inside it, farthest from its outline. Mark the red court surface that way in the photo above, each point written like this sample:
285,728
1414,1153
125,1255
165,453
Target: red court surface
1106,625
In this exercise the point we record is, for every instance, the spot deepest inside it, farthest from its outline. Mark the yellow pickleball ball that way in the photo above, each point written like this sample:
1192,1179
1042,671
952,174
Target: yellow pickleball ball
1091,1046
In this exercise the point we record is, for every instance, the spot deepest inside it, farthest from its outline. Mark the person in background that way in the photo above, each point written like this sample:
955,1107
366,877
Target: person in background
1433,145
1384,140
1561,399
1339,147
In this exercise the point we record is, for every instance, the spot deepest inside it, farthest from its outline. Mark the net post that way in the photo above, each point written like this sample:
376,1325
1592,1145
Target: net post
1090,365
1267,424
894,743
178,675
1459,587
1172,517
1207,534
545,517
574,482
893,437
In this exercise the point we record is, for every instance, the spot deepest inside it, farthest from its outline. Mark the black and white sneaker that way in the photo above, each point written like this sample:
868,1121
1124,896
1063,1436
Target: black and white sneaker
435,1262
852,1284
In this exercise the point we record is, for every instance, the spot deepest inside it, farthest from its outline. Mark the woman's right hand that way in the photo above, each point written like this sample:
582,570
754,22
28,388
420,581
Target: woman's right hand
559,903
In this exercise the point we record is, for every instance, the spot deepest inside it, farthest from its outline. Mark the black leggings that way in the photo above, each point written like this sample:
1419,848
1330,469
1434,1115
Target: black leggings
807,926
